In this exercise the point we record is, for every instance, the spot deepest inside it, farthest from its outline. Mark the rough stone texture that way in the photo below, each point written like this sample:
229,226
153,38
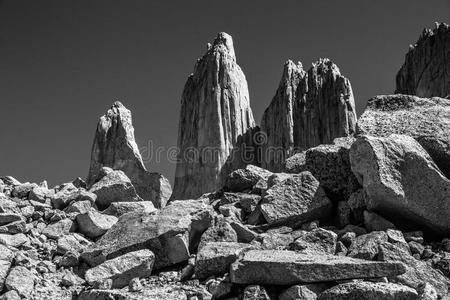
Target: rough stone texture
245,179
303,292
169,234
215,112
369,291
114,187
255,292
119,208
115,147
122,269
426,120
21,280
58,229
330,165
417,271
401,182
279,267
366,246
315,241
215,258
94,224
291,123
297,198
427,65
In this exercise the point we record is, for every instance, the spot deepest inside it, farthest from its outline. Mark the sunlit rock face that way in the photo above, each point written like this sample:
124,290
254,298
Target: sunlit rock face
215,115
426,70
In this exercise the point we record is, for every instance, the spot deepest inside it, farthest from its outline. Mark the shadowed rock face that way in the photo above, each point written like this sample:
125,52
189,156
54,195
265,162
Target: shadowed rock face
426,71
215,112
309,109
115,147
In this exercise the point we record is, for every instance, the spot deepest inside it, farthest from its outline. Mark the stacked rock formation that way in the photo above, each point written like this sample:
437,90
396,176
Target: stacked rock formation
309,109
426,71
115,147
215,112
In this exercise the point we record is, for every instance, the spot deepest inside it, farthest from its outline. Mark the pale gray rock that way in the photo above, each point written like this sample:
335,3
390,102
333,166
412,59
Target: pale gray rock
169,234
13,240
281,267
290,122
114,187
426,68
122,269
68,193
10,295
221,231
369,291
296,199
425,119
58,229
401,182
80,207
366,246
21,280
215,113
6,257
94,224
120,208
303,292
115,147
215,258
255,292
245,179
23,190
315,241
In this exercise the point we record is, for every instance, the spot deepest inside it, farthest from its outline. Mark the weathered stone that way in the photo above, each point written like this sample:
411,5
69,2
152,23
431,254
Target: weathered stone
290,121
255,292
375,222
10,295
315,241
245,179
169,234
278,238
114,187
330,165
6,218
297,199
426,67
167,292
424,119
115,147
21,280
40,194
303,292
280,267
80,207
417,271
9,180
5,265
68,194
244,234
219,288
369,291
14,227
119,208
221,231
427,292
14,240
366,246
58,229
215,258
401,182
22,190
94,224
123,268
215,113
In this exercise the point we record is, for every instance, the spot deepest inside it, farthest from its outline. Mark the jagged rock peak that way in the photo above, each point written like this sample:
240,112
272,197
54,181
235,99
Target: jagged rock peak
291,121
427,64
215,112
115,147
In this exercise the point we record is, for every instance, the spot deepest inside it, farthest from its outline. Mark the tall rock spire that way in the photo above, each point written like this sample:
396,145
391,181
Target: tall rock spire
308,109
115,147
215,113
426,71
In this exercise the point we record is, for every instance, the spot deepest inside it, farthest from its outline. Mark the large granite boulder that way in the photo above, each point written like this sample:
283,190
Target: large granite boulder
215,112
425,119
115,147
281,267
171,234
401,182
294,199
427,65
290,123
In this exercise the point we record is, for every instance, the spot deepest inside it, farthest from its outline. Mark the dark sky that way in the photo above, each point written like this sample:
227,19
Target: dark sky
63,63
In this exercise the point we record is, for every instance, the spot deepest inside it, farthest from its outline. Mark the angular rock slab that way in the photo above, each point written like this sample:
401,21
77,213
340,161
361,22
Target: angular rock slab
369,291
425,119
122,269
296,198
170,234
215,114
115,147
427,65
281,267
401,182
94,224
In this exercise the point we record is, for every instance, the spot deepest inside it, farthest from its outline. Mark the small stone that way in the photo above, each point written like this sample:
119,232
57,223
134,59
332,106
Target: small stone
94,224
255,292
21,280
135,285
416,248
58,229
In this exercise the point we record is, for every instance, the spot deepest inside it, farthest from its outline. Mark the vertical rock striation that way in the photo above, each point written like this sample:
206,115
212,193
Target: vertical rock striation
426,71
115,147
309,109
215,113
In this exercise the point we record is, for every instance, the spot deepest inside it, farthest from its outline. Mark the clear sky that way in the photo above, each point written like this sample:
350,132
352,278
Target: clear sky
63,63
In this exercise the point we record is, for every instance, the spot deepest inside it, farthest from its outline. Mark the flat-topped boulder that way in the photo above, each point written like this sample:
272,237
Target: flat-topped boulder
369,291
282,267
